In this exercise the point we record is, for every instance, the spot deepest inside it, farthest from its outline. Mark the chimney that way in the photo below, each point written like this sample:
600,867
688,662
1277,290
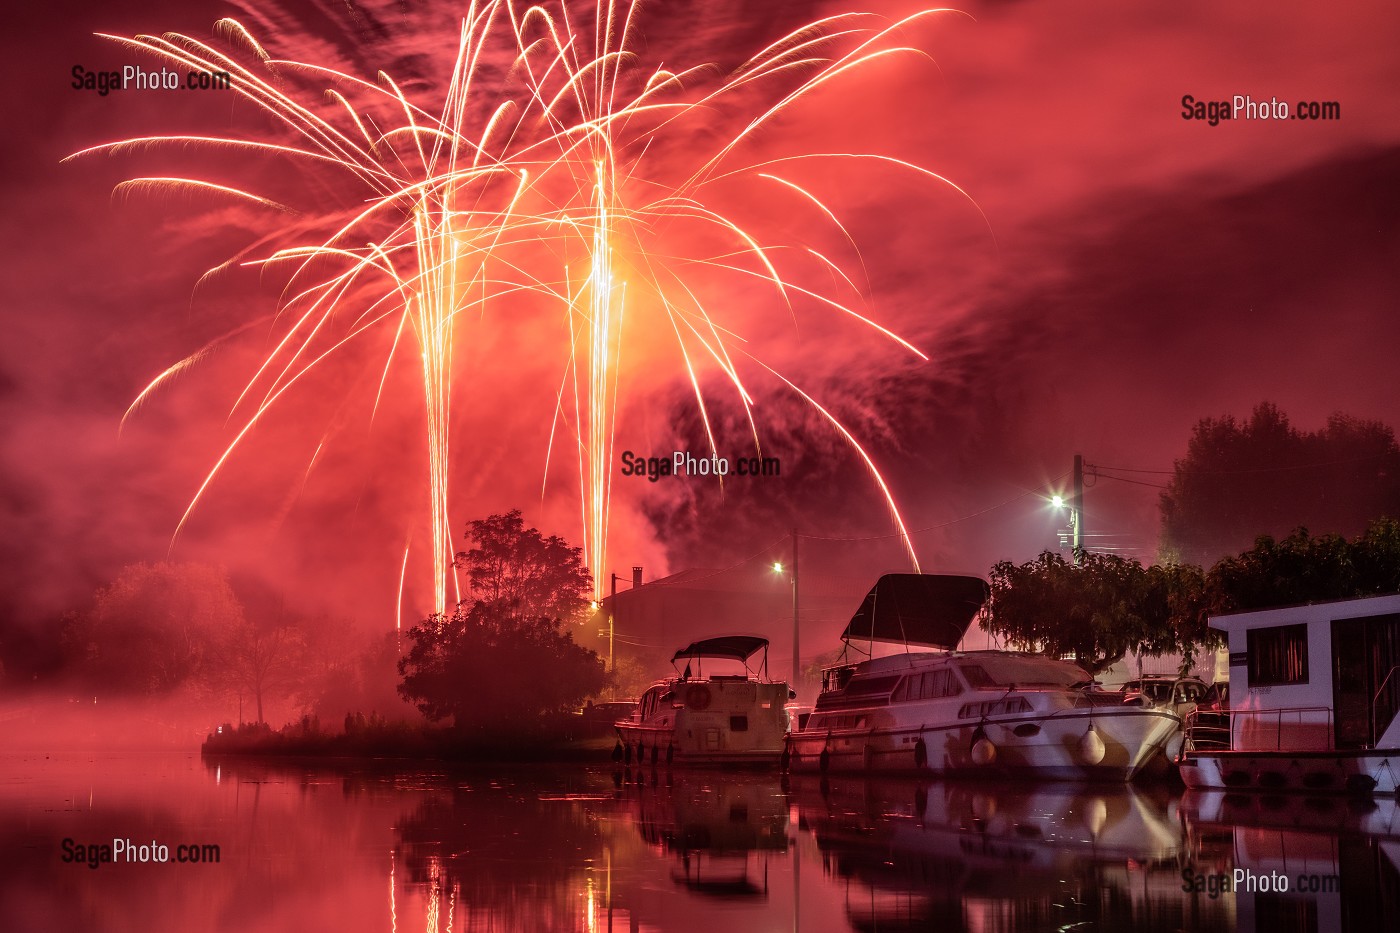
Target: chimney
636,577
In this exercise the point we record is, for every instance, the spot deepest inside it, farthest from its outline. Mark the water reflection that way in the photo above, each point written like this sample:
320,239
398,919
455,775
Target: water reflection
720,832
1305,864
968,856
504,849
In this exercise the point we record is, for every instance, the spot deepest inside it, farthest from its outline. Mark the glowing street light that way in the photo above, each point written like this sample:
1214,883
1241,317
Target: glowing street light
1076,509
777,566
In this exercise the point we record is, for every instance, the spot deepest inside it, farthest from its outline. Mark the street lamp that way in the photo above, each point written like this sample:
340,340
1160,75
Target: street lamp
1076,508
1072,536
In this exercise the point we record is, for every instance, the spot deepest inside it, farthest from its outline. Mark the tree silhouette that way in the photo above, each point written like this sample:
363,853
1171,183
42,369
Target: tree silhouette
1100,609
521,571
502,662
1239,481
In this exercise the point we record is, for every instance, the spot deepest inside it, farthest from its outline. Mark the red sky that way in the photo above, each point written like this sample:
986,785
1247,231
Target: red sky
1135,272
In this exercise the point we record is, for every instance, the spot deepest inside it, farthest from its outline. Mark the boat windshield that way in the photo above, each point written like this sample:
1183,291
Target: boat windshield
1022,672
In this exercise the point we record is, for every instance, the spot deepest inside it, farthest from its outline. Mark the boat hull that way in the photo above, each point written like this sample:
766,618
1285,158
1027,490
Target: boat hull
1361,771
1051,747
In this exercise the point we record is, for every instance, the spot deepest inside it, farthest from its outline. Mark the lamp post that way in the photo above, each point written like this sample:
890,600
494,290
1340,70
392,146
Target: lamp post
796,630
1076,511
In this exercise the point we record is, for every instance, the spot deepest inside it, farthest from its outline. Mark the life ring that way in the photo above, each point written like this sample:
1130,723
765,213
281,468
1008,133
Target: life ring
697,697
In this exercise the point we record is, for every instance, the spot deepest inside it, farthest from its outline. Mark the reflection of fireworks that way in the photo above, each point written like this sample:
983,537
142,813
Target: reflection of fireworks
594,157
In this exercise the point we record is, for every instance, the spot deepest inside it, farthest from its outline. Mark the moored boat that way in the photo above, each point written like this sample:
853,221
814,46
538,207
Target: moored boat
698,717
1315,692
978,712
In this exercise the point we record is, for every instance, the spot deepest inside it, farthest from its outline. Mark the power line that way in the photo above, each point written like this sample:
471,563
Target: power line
954,521
1124,479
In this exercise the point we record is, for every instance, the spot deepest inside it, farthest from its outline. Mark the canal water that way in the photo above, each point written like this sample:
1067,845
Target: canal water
253,845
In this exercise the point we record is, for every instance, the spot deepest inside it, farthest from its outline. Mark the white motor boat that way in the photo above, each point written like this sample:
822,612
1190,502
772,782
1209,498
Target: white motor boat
710,718
950,712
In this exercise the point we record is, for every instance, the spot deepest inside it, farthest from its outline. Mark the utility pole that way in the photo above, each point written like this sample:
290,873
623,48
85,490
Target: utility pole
796,633
612,614
1076,507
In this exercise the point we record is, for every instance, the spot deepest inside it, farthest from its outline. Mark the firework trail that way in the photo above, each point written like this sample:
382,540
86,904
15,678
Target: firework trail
436,204
616,123
583,177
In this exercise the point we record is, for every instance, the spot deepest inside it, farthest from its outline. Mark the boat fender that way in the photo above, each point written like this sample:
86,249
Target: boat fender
1173,747
1091,747
983,751
920,755
670,754
617,752
824,761
697,697
785,758
626,754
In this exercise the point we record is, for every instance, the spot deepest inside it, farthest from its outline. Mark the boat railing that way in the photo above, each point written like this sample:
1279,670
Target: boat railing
1376,701
1297,728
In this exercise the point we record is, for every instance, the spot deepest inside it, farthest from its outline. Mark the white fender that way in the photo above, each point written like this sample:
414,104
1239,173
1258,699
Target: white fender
1091,747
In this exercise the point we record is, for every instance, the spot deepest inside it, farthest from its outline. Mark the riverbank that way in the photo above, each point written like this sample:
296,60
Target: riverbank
377,739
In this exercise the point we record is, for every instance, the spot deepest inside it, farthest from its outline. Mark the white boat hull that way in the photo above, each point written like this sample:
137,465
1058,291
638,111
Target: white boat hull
1052,747
1361,771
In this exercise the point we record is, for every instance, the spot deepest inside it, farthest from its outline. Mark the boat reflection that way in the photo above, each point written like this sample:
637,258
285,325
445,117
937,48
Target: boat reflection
721,831
446,849
1307,864
964,856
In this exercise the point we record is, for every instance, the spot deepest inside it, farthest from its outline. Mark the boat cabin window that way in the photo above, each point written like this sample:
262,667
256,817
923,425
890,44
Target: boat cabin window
928,685
1278,655
1008,707
866,686
654,699
1022,672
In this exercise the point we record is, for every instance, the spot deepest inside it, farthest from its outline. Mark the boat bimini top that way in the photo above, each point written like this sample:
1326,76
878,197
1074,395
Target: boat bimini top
935,610
729,647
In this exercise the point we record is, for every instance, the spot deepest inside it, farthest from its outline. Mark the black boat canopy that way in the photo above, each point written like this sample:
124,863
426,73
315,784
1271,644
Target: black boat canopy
918,609
738,647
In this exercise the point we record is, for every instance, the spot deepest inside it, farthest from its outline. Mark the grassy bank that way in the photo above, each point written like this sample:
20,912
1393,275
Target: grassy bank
377,738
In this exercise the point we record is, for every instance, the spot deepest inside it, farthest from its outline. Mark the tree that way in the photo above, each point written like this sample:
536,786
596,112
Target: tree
494,671
1303,569
1264,477
520,571
154,628
258,659
502,661
353,674
1100,609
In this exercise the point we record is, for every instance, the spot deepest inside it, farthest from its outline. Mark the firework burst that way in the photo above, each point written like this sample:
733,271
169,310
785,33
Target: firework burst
583,177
